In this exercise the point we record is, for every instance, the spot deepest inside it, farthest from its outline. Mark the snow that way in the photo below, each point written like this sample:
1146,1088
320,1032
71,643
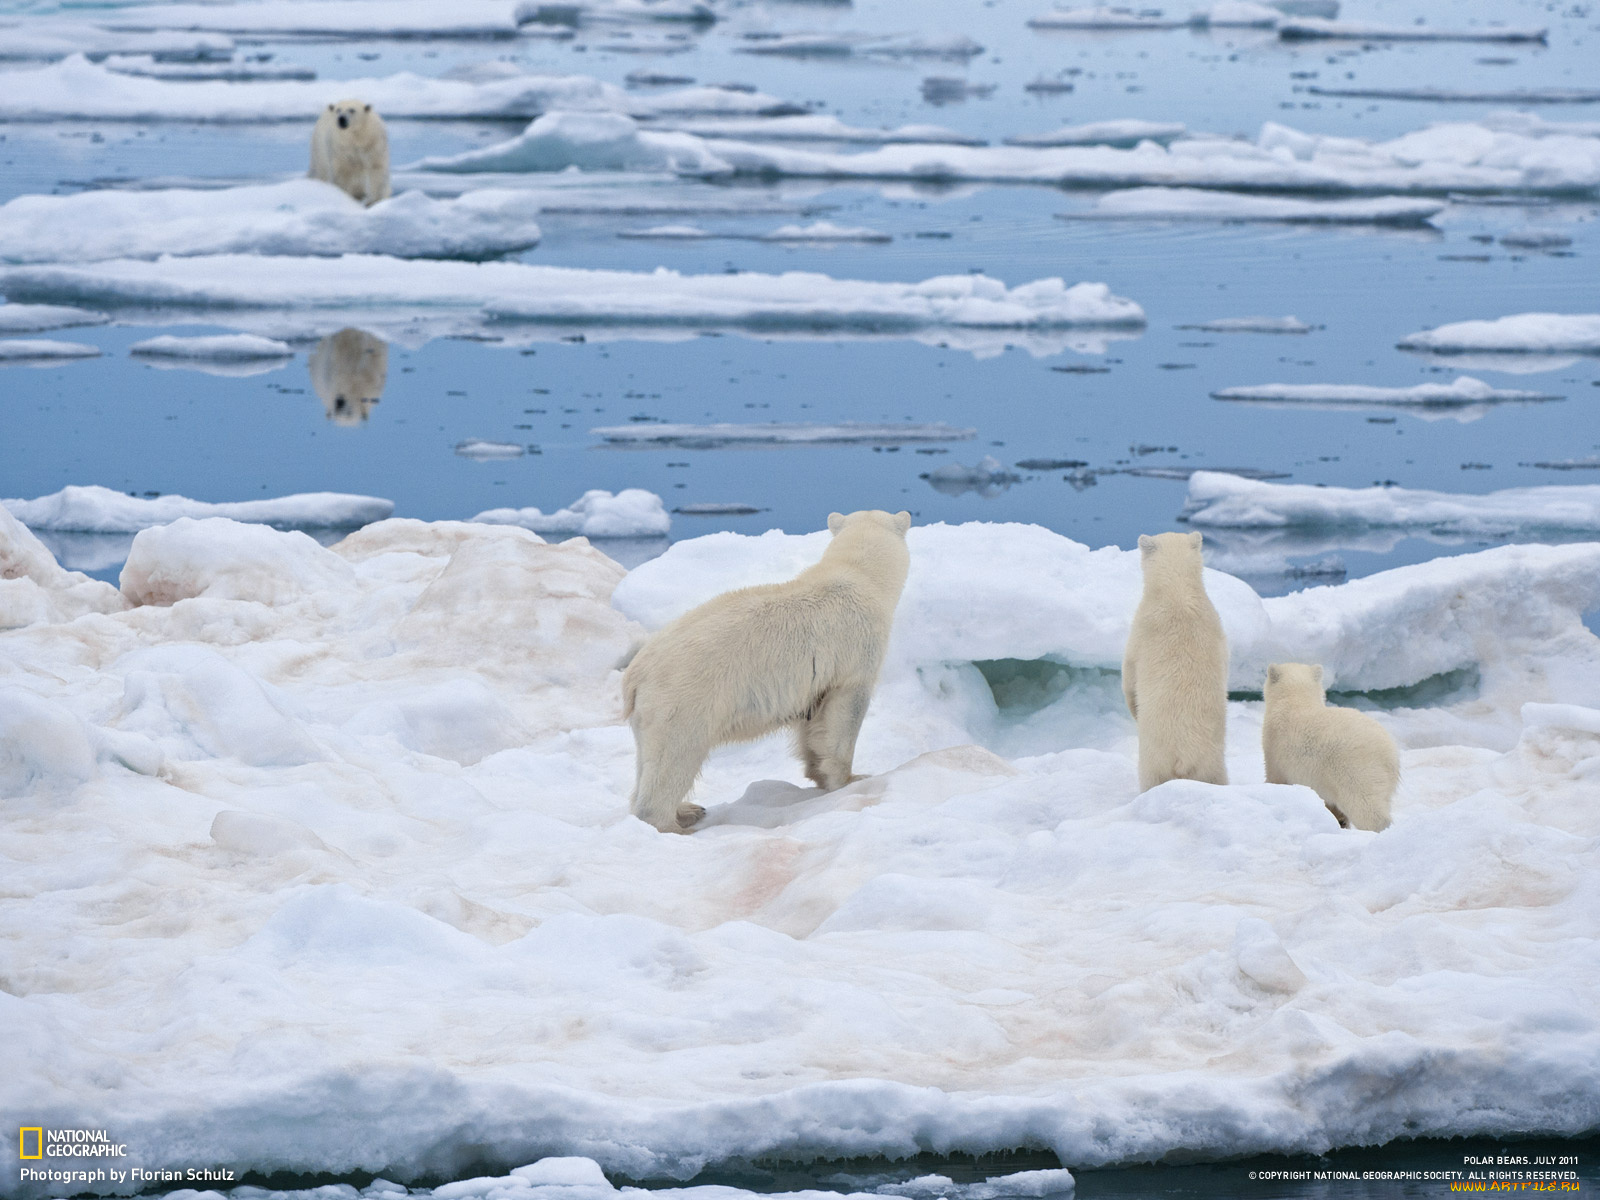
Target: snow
1123,133
101,510
223,348
38,318
482,449
1464,391
76,89
824,231
667,233
43,350
1251,325
594,141
299,217
49,39
1230,502
816,127
388,783
631,513
1524,333
1192,204
781,433
1311,29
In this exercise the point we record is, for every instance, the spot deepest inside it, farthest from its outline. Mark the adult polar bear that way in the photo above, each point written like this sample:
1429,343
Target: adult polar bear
1175,666
804,654
350,149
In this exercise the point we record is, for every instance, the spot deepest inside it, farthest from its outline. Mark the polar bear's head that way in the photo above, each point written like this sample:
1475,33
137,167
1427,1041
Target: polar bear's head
893,522
1171,554
353,116
1294,681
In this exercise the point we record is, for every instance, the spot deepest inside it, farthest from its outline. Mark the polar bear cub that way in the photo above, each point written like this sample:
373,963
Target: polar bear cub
350,149
1344,756
803,654
1175,667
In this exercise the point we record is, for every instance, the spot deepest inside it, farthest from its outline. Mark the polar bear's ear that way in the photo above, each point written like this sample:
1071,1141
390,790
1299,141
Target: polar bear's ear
330,108
835,522
902,520
1147,545
1195,540
1274,674
369,109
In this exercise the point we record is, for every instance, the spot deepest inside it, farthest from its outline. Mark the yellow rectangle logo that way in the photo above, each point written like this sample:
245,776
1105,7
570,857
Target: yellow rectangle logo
38,1142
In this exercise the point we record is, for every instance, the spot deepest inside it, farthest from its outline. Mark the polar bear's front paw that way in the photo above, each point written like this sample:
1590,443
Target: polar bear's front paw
689,815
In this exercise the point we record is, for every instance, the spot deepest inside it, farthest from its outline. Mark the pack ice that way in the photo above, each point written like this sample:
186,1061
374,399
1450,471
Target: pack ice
318,860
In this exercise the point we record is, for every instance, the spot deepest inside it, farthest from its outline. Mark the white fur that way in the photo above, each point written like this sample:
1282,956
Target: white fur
803,654
348,371
354,156
1175,667
1344,756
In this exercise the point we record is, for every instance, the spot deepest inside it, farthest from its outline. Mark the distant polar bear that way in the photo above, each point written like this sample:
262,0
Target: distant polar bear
804,654
1175,667
350,149
1344,756
348,371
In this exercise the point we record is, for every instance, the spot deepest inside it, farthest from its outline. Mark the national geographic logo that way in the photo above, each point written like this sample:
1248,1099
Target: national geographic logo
34,1142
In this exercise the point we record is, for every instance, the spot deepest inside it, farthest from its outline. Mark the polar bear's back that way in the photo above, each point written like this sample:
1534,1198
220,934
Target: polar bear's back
1345,756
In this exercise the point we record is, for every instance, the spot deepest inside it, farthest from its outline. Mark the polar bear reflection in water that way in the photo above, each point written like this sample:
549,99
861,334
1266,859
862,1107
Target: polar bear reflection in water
348,370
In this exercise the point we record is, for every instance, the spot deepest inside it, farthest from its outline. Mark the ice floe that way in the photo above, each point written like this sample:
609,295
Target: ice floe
42,351
482,448
51,39
299,217
230,71
817,127
631,513
40,318
1194,204
95,509
1313,29
1524,333
1104,17
1124,134
216,348
1444,95
988,477
824,231
1465,395
590,141
785,433
1251,325
389,781
76,89
325,18
1229,501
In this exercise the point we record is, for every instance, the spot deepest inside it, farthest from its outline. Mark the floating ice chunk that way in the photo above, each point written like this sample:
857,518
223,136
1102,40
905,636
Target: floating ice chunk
716,509
226,560
1228,501
1238,14
591,141
1464,391
55,39
97,509
1124,133
39,318
325,18
42,351
988,477
223,347
1535,239
824,231
1533,125
667,233
302,216
817,127
1525,333
1312,29
1442,95
631,513
779,433
1192,204
949,46
1251,325
804,45
948,89
1104,18
152,67
479,448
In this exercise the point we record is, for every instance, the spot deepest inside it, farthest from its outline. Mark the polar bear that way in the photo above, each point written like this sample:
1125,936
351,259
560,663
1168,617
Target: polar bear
1175,667
803,654
1344,756
348,371
350,149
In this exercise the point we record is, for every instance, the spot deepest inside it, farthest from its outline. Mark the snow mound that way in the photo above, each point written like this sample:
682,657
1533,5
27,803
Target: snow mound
300,217
1231,502
222,348
43,350
100,510
1464,391
1525,333
781,433
590,141
35,590
39,318
1193,204
631,513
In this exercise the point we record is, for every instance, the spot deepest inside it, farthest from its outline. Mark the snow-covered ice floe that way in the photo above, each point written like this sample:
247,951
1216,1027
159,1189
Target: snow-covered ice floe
631,513
1104,17
76,89
482,448
1465,396
299,217
519,292
388,782
95,509
814,127
231,71
325,18
824,231
1229,501
1251,325
42,351
590,141
1194,204
1313,29
48,39
1524,333
40,318
789,433
1121,133
217,348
